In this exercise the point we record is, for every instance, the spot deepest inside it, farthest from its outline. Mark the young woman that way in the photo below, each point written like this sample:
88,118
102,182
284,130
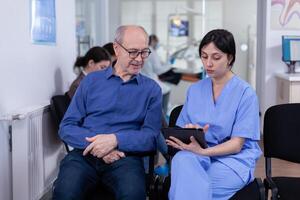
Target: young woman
227,109
97,58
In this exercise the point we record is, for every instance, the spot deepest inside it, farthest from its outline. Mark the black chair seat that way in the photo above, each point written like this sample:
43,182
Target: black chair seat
288,187
252,191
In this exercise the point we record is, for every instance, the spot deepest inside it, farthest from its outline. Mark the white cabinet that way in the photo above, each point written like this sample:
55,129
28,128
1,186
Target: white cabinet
288,88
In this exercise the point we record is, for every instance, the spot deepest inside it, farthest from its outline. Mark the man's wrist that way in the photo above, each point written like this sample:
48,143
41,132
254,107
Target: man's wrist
115,141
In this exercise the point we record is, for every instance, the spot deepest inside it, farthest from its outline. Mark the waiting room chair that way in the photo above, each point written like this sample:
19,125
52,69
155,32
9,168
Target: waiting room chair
282,141
253,191
58,106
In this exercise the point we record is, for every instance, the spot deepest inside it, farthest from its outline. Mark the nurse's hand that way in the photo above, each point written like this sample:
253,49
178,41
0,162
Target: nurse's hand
193,146
205,128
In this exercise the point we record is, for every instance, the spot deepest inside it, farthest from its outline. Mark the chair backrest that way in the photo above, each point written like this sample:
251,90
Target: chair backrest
174,115
282,132
59,105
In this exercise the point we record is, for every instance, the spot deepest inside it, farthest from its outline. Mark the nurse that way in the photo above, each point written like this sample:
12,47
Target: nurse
227,109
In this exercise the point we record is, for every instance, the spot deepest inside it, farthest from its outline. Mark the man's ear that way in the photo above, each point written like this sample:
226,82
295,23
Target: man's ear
116,49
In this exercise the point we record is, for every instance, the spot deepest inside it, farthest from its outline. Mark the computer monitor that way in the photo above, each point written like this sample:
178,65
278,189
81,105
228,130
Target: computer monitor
179,27
290,48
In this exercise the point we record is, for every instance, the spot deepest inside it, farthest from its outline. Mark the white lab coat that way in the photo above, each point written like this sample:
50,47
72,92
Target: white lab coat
154,67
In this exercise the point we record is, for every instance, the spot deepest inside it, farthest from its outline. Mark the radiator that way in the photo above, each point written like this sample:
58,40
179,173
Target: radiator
5,161
36,153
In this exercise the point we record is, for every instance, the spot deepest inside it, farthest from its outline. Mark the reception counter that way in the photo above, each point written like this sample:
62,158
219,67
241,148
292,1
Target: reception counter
288,88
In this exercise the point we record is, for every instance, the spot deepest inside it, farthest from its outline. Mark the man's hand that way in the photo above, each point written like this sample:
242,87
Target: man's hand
113,156
101,145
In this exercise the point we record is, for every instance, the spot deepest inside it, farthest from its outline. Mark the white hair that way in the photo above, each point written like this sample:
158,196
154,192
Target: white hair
119,34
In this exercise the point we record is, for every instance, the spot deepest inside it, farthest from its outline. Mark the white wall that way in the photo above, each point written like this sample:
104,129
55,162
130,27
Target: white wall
31,74
268,55
5,163
246,13
101,19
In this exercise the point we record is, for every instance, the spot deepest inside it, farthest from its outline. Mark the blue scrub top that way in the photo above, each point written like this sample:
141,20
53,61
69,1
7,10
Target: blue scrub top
234,113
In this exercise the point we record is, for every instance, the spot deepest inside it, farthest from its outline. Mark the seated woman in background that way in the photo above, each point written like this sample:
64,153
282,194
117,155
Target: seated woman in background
109,47
97,58
227,109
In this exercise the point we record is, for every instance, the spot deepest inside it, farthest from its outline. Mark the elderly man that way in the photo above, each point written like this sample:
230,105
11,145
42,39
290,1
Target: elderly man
114,111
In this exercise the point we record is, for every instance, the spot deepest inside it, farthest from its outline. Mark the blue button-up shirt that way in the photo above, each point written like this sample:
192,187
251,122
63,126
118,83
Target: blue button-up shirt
104,104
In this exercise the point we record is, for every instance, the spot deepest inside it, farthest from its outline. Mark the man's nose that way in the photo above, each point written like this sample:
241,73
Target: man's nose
139,57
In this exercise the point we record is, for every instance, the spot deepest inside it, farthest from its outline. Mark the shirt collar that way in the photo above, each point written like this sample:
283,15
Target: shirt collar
84,72
110,73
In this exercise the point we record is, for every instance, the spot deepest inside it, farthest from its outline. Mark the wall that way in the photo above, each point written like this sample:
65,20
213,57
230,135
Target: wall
101,19
31,74
5,162
268,55
238,26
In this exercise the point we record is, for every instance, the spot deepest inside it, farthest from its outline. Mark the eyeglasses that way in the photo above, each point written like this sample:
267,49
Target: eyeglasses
135,53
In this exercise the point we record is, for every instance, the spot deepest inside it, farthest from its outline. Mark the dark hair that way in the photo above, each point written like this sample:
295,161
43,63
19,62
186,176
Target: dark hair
110,48
96,54
151,38
223,40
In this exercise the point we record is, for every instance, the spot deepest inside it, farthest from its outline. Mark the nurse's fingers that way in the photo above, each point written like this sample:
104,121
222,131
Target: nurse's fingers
205,128
189,125
173,144
192,126
179,142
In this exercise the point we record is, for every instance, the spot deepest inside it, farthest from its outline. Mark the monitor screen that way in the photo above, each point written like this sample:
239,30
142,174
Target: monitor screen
179,27
290,48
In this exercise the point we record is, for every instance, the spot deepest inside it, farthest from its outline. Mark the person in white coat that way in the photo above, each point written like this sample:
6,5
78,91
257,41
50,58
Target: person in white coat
153,67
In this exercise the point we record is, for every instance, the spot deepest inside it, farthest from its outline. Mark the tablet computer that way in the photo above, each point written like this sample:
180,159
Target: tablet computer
184,135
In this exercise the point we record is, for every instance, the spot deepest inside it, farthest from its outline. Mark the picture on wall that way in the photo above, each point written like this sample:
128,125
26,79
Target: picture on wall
43,22
285,14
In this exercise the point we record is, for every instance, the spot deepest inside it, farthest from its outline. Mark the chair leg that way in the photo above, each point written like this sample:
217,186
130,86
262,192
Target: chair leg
274,194
266,193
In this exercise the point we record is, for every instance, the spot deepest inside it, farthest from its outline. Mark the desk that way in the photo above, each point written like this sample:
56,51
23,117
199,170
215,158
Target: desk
190,74
288,88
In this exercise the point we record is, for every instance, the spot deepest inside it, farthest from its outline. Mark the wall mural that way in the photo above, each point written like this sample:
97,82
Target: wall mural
285,14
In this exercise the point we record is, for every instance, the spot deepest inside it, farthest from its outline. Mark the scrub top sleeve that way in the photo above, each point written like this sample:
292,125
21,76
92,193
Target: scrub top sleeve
183,118
246,123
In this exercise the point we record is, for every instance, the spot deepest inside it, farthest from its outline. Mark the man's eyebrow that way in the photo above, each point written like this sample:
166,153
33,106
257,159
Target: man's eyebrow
134,49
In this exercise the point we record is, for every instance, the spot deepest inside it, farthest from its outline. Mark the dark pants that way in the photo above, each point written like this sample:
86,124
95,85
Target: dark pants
78,173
